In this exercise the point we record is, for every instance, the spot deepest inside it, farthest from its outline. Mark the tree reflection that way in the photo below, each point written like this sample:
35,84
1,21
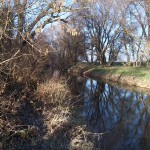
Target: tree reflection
122,114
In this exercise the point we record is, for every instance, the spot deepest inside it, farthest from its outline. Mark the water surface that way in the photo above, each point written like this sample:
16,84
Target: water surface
121,116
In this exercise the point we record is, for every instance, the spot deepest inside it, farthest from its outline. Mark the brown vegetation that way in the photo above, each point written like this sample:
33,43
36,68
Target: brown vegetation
37,112
29,118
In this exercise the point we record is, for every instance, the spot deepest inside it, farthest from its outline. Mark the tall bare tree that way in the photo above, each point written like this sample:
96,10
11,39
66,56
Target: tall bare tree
103,29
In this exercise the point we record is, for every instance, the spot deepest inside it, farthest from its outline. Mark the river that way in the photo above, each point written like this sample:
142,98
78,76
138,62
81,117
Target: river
118,116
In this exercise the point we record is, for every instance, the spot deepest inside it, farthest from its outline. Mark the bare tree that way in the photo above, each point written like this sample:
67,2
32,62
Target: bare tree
103,29
21,21
70,45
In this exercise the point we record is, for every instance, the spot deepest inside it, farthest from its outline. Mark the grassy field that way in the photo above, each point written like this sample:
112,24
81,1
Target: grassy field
137,72
132,76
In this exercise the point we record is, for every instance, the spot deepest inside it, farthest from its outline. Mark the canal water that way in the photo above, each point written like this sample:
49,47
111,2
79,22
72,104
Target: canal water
118,117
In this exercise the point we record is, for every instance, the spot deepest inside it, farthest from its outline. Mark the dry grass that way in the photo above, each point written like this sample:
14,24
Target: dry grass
58,97
54,91
63,126
47,115
48,107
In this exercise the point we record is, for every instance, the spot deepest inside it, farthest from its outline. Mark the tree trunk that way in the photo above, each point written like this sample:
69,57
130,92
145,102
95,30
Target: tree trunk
102,59
127,55
148,19
92,55
133,57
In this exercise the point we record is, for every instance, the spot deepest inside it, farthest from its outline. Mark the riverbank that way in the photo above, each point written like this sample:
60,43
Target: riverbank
39,118
132,76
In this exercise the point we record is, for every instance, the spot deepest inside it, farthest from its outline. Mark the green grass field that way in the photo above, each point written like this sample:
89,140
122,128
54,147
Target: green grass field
139,72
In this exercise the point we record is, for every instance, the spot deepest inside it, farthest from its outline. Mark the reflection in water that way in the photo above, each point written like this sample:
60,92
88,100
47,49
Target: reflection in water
121,114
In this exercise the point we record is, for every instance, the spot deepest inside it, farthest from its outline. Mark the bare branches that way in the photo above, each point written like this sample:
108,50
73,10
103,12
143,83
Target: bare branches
41,15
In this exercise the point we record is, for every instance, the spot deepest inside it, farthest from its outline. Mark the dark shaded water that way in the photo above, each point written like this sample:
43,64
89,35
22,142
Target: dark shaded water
121,114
